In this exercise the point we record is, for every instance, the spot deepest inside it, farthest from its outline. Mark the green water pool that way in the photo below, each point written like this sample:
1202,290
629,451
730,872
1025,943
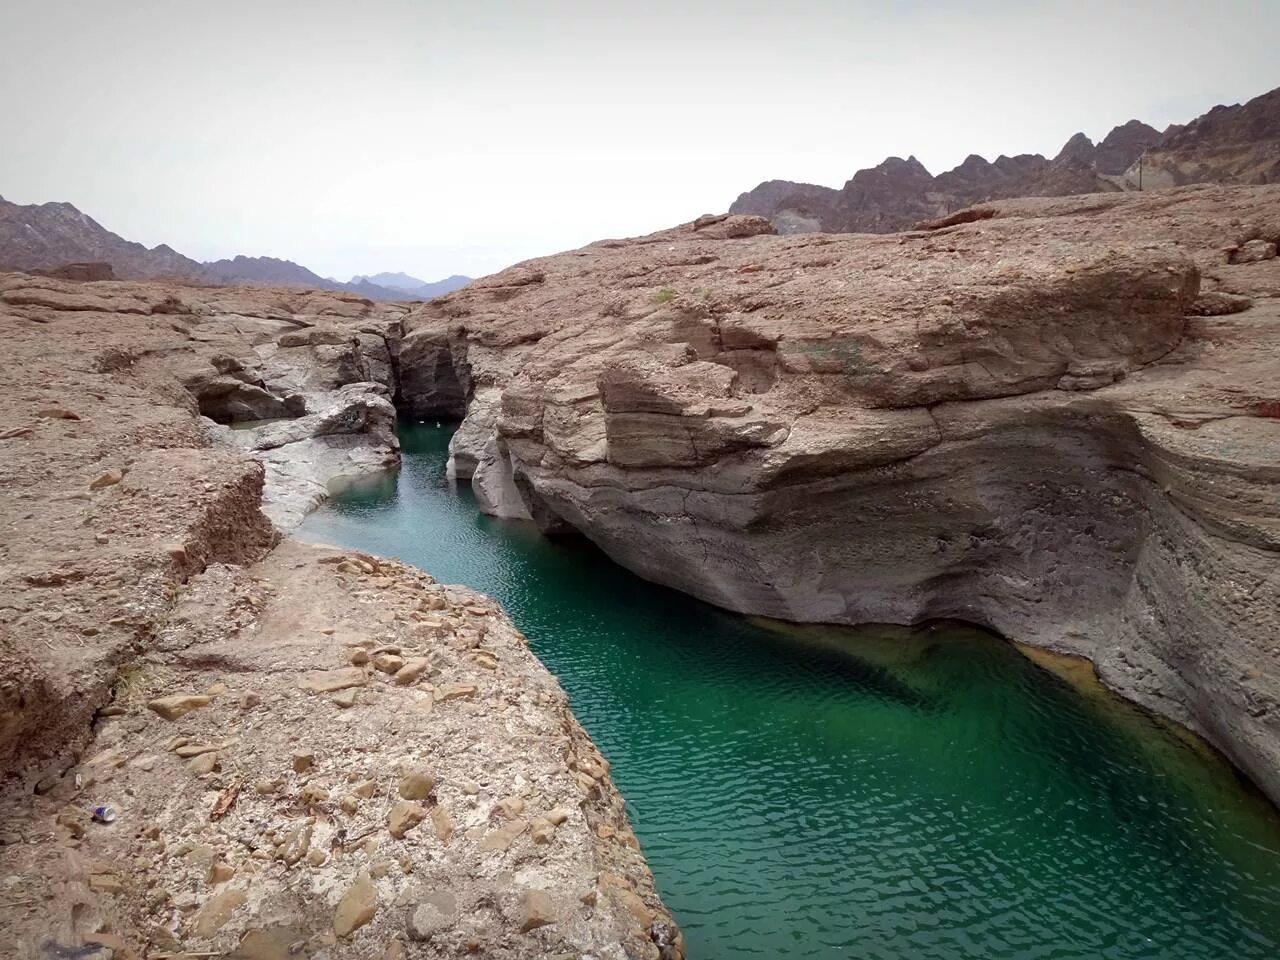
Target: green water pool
823,792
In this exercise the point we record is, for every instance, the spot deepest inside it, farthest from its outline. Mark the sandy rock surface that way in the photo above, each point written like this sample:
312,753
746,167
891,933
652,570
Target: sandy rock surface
315,369
329,755
309,753
1057,418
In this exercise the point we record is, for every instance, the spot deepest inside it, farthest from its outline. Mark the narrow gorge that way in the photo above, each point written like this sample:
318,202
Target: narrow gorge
1055,419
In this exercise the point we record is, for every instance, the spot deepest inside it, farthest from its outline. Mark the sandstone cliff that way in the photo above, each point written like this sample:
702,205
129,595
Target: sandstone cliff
1057,419
310,752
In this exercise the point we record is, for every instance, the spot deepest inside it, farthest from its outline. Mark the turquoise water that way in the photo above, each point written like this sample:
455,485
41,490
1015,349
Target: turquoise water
822,792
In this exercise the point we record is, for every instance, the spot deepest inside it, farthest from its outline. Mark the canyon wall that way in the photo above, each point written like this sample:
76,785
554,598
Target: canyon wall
1054,418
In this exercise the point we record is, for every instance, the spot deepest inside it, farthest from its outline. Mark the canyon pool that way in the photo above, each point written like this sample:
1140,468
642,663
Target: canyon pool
871,793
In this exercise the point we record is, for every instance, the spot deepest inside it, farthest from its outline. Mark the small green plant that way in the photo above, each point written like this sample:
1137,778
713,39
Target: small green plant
664,295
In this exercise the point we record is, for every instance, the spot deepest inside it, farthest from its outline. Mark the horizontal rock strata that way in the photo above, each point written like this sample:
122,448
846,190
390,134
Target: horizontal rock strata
1055,418
308,752
311,373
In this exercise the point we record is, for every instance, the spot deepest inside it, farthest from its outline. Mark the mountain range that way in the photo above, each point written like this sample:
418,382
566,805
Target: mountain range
412,285
1231,144
49,235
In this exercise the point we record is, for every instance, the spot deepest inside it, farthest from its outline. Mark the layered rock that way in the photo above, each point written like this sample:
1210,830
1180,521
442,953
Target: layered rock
308,752
351,436
1054,418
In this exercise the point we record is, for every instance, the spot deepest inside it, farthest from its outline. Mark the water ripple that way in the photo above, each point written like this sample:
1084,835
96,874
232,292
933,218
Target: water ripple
832,793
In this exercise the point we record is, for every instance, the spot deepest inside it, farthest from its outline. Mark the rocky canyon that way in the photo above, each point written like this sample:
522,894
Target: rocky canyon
1056,418
222,742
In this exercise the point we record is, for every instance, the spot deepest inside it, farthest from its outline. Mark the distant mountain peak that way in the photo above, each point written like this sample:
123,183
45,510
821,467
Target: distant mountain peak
1238,143
412,286
50,235
1079,147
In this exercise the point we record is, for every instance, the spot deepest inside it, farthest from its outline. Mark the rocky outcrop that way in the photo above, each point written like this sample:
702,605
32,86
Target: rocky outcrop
77,271
315,368
308,752
350,437
1056,419
1227,145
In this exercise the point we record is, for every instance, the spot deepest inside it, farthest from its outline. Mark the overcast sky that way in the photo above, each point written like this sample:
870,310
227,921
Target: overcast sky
459,137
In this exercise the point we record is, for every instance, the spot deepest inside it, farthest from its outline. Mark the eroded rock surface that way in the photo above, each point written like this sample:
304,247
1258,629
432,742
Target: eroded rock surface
1055,418
252,709
315,369
305,802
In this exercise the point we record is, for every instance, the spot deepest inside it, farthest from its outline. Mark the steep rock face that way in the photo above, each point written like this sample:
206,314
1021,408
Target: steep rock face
310,751
1057,419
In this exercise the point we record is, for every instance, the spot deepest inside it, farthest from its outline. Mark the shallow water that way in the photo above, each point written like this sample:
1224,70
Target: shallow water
823,792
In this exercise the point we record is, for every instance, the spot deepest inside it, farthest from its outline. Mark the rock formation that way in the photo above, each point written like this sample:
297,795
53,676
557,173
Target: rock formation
1238,144
1057,418
308,751
1054,418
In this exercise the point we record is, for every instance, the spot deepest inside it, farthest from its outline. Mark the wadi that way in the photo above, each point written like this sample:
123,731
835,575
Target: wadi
1015,426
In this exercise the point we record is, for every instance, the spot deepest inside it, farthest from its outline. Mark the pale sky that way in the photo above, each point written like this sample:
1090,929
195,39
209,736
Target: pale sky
460,137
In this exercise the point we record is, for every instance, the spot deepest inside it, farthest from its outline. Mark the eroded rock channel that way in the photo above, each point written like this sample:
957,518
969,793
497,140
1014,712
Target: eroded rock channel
308,752
825,792
1058,421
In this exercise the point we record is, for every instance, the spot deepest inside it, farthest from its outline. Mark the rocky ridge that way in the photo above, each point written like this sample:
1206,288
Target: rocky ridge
1229,144
46,237
1054,418
310,752
1236,144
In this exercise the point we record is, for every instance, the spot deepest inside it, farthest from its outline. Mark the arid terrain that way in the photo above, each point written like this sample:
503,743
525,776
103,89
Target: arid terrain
1056,418
305,750
1229,144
